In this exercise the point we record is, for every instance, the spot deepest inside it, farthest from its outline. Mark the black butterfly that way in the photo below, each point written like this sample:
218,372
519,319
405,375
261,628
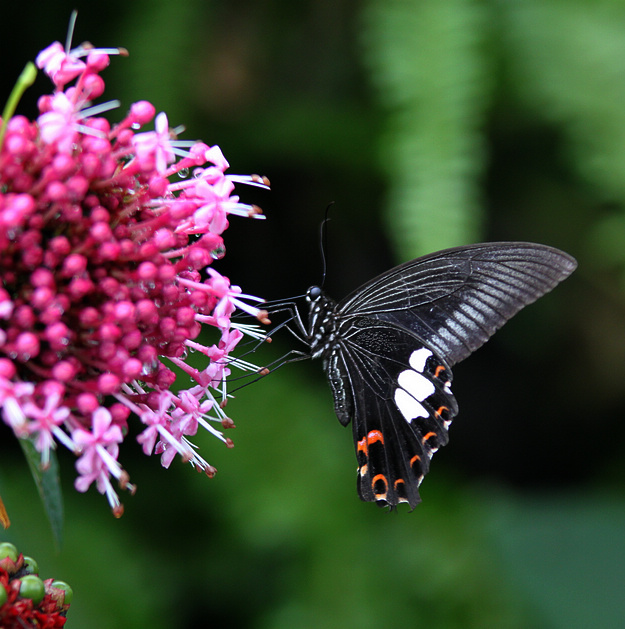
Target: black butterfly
388,349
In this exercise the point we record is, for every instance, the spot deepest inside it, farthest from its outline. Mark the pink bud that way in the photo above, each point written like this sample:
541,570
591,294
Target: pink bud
64,371
142,112
87,403
27,346
108,383
74,264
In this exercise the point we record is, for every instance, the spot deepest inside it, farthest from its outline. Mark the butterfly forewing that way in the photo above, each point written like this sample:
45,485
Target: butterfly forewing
456,299
388,347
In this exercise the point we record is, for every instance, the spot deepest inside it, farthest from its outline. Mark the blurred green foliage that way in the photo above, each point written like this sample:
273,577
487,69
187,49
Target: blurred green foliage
431,66
430,124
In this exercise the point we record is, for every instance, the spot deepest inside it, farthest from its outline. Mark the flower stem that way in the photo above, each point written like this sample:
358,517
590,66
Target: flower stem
24,81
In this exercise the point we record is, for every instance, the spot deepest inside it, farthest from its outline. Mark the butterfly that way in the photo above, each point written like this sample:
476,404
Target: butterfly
388,349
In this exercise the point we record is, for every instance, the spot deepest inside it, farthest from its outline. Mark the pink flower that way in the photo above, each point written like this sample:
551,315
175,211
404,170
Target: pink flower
98,461
157,421
107,278
154,149
59,65
45,424
12,397
58,125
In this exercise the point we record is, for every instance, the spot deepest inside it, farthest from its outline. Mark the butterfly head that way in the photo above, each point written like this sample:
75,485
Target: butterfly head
313,294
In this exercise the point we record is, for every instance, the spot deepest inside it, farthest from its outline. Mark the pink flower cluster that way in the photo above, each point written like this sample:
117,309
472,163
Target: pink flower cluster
106,281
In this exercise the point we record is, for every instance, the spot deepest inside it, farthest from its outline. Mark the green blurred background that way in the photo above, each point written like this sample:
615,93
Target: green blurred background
429,124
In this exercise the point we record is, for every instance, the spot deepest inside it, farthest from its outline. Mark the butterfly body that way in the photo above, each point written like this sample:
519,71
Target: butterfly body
388,349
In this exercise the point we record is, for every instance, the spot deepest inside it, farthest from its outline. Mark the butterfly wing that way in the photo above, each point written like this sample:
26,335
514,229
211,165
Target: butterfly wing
401,404
457,298
398,335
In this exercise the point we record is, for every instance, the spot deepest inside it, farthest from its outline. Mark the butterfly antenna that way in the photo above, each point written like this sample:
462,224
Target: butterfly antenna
324,243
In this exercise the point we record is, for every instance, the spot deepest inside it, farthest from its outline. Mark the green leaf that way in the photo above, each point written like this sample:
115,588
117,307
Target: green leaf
24,81
48,485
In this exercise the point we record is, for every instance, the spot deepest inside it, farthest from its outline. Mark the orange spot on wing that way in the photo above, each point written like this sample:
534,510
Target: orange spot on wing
438,371
441,410
427,436
371,437
379,495
400,490
362,445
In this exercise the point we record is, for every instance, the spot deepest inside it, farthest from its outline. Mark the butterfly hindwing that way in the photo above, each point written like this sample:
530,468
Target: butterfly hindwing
401,404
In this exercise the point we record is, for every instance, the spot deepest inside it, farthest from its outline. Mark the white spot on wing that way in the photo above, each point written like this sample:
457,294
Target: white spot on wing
418,358
417,385
408,406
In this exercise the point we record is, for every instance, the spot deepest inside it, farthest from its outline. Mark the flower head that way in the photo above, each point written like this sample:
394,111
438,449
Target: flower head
107,280
26,600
